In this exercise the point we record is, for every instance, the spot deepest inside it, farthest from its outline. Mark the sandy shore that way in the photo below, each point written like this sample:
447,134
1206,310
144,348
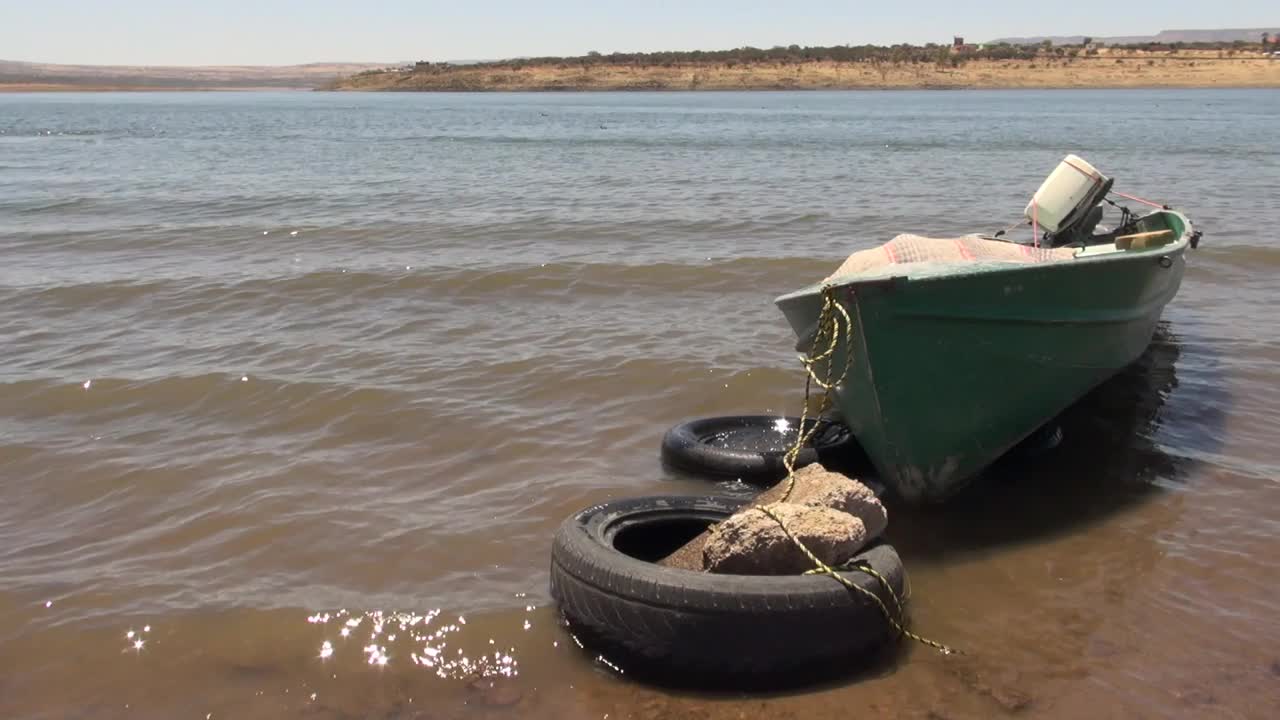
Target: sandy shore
1101,71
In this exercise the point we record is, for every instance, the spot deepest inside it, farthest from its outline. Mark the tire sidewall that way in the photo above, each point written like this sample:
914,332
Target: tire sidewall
684,447
707,623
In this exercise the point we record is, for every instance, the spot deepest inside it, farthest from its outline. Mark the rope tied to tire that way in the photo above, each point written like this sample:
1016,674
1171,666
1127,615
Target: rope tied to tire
834,322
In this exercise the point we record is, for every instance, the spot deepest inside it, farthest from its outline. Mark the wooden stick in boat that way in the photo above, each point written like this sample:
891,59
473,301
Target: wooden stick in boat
1144,235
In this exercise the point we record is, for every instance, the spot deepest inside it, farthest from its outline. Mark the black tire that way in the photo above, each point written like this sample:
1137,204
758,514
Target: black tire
749,447
604,576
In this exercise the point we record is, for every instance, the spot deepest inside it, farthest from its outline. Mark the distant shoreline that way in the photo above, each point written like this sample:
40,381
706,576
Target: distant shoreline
1194,69
17,76
866,68
72,87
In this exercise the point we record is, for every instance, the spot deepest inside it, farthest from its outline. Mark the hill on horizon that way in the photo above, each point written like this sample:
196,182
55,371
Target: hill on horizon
1164,36
310,75
15,74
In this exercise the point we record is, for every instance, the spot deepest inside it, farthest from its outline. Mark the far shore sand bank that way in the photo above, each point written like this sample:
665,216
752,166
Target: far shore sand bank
1033,69
1102,71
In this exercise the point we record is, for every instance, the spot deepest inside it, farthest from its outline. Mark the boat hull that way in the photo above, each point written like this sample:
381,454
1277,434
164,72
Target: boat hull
949,372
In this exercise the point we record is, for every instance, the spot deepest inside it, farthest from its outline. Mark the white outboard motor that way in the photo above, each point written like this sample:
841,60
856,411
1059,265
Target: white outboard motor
1066,198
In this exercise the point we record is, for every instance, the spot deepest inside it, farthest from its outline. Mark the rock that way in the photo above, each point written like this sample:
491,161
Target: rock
688,557
815,486
819,487
752,543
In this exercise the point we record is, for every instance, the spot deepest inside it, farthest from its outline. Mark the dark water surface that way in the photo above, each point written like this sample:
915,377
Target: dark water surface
294,389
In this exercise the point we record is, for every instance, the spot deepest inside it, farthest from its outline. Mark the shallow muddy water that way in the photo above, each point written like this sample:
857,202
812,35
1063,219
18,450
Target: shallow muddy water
295,388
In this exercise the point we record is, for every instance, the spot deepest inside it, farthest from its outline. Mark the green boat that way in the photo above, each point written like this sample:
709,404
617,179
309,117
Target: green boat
956,349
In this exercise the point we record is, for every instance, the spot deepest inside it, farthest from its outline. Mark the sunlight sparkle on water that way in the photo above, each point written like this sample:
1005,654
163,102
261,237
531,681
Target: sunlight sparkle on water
431,644
605,661
782,425
377,655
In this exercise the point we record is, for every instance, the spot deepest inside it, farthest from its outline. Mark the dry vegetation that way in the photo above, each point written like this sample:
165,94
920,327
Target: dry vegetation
847,68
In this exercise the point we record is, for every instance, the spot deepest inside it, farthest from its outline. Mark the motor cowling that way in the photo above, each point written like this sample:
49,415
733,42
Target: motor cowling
1067,196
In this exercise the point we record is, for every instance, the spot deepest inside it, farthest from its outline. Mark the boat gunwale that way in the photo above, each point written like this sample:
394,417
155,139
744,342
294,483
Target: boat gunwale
902,272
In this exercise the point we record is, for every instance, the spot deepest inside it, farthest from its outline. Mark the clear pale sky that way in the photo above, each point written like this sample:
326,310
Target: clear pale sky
180,32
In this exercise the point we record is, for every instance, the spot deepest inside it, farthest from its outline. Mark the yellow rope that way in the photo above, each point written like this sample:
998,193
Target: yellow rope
829,327
824,569
828,334
864,566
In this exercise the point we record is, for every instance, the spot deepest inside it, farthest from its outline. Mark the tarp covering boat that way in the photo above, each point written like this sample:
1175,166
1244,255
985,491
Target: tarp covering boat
905,249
